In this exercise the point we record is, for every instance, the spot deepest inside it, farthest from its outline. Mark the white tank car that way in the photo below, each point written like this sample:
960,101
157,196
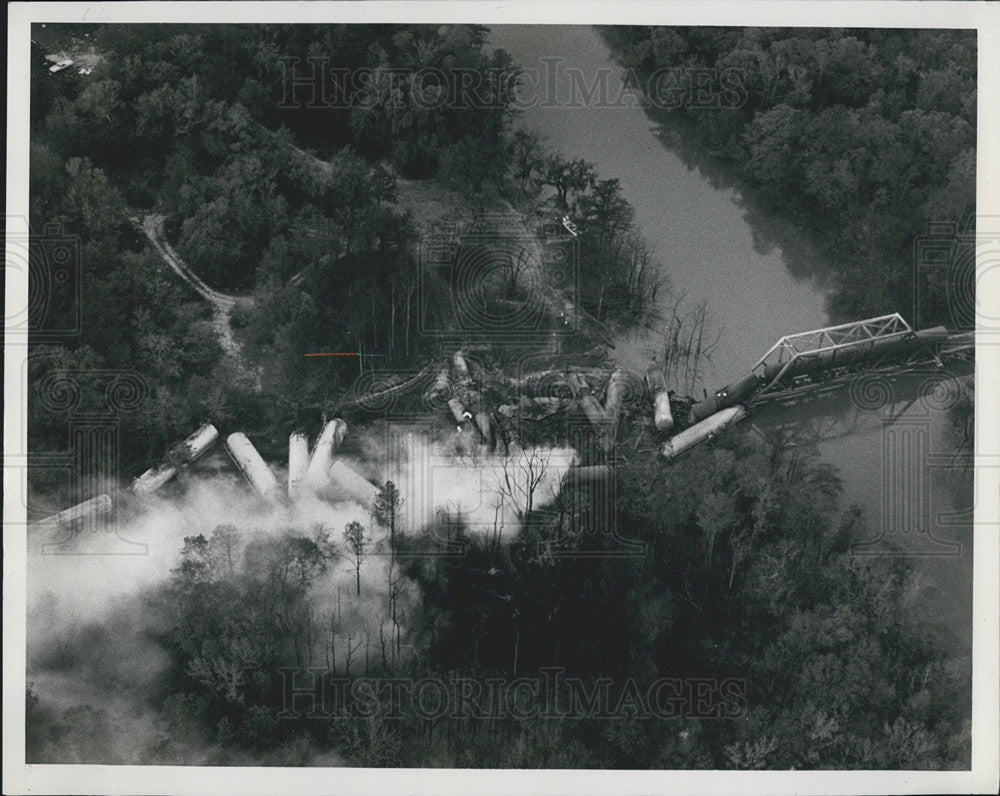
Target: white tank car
615,393
484,426
194,446
100,505
588,473
153,479
441,385
330,438
459,413
253,467
588,403
348,484
186,452
663,416
298,460
461,368
700,432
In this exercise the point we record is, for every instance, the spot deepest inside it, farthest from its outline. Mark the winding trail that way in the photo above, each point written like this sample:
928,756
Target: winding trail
222,303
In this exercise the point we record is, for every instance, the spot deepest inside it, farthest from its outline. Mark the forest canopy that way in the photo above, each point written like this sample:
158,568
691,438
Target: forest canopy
733,570
863,138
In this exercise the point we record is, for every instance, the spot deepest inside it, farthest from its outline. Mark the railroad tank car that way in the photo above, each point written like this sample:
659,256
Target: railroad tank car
864,352
352,485
186,452
441,386
461,369
153,479
484,425
663,417
253,467
330,439
588,403
728,396
98,506
460,414
588,473
298,460
861,353
615,392
195,446
701,432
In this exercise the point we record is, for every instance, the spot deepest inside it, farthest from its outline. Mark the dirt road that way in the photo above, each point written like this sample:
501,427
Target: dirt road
223,304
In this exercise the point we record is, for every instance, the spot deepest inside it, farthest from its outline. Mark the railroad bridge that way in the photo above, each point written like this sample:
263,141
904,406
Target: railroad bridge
795,368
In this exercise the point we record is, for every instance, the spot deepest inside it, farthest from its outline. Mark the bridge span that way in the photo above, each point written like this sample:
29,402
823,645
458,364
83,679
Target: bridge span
797,367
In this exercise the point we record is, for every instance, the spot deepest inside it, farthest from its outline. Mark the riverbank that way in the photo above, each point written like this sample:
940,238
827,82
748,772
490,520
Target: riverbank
832,130
761,276
700,230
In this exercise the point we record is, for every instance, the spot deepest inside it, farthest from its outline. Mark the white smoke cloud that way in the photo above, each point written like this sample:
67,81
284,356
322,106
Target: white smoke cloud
85,603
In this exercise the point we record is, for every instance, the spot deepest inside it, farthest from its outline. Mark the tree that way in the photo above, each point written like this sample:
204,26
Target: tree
521,474
386,510
566,177
525,154
354,535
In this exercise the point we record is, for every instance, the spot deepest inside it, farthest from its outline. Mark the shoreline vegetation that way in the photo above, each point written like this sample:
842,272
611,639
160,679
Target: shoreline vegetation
744,634
863,139
312,217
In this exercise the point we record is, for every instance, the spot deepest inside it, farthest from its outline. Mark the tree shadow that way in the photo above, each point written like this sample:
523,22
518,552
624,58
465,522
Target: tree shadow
770,229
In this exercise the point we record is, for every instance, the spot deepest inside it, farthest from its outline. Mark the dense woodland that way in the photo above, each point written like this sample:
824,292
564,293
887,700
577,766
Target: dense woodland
746,575
861,137
289,206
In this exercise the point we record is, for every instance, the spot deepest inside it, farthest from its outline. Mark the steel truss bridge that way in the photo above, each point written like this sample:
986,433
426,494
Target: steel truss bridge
804,369
824,360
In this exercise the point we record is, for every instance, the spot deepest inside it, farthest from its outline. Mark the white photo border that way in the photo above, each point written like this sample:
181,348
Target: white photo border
20,778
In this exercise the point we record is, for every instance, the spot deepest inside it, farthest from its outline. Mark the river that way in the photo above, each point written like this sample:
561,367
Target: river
698,231
762,281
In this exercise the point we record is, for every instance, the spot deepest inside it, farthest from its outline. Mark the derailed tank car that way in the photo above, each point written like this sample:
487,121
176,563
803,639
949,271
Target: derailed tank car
186,452
253,467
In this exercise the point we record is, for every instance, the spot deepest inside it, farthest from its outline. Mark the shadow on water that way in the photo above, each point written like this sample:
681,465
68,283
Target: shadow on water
866,402
771,232
903,448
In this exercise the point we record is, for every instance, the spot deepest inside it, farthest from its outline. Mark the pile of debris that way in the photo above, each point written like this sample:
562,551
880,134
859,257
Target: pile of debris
497,416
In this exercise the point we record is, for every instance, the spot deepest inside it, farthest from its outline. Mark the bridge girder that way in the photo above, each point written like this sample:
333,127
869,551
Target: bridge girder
791,350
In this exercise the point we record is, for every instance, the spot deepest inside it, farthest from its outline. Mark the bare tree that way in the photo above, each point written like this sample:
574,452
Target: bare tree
526,156
522,472
354,535
517,264
685,347
388,503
